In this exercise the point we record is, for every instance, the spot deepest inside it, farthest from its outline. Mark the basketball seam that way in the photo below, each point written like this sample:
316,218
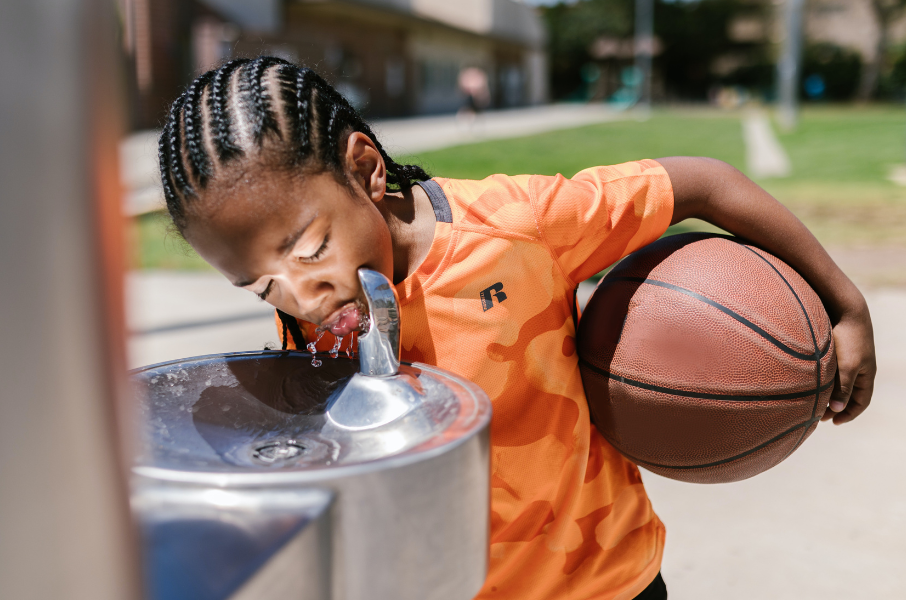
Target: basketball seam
805,424
699,395
814,342
727,311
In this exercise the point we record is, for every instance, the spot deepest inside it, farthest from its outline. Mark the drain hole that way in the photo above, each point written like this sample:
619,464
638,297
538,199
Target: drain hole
278,452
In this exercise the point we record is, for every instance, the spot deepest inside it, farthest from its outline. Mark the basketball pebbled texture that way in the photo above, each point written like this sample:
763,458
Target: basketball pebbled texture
705,359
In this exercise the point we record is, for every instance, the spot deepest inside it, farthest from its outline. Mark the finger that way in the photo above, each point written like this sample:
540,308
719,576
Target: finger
859,400
843,387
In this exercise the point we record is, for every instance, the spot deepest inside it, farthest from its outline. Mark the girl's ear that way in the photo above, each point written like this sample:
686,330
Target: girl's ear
364,162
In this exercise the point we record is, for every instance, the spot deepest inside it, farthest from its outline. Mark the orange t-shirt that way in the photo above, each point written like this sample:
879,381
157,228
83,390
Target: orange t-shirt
494,302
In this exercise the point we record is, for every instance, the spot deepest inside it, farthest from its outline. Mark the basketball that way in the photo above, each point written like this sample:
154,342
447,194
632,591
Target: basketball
705,359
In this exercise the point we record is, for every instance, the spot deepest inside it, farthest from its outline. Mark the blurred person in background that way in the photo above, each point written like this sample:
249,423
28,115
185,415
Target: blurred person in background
473,83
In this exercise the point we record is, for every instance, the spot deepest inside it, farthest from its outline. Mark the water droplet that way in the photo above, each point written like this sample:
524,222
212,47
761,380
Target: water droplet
336,347
313,348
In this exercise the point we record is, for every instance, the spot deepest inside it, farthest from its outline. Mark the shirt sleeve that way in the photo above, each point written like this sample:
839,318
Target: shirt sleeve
602,214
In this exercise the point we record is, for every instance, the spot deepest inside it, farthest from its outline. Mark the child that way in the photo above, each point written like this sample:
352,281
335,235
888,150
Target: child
278,183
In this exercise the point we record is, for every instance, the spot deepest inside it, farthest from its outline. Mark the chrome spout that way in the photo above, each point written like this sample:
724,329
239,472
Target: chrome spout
379,347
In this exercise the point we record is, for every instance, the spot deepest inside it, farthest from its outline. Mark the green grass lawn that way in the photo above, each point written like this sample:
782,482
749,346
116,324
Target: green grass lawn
840,156
159,246
569,151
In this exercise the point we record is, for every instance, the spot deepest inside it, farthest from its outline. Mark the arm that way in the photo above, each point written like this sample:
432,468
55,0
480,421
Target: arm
714,191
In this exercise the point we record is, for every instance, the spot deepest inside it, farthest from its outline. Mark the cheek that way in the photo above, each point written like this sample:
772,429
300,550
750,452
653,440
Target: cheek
371,242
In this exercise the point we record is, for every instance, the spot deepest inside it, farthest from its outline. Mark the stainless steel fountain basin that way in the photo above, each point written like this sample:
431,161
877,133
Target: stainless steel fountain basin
393,471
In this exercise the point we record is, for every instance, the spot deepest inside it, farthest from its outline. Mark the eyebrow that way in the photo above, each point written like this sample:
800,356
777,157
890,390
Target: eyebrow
284,248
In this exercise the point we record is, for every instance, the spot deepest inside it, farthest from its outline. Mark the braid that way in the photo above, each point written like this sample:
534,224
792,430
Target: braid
198,157
163,159
332,131
403,176
305,79
263,119
218,106
290,323
306,115
174,141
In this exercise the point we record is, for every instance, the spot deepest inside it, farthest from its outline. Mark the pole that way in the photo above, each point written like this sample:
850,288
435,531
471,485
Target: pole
789,65
644,48
65,528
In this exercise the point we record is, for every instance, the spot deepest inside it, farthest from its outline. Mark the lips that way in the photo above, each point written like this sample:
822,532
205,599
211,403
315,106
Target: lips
343,321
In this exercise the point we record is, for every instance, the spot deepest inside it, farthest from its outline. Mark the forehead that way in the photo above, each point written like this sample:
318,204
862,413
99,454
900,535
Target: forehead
250,192
254,196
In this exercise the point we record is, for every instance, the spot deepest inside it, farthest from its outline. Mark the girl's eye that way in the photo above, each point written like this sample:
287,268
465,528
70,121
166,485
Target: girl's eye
267,290
320,250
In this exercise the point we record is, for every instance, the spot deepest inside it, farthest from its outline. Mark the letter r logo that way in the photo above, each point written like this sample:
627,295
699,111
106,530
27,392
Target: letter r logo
488,295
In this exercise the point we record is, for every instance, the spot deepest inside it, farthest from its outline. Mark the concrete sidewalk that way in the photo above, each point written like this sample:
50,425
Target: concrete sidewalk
765,156
175,314
420,134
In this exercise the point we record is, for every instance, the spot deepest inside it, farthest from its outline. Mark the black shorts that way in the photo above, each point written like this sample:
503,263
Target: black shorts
656,590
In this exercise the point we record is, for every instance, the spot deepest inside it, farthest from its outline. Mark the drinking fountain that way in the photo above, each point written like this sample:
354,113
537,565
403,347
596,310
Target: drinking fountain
260,475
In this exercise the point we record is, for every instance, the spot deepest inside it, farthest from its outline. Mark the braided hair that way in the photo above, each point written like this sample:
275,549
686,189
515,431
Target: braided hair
262,106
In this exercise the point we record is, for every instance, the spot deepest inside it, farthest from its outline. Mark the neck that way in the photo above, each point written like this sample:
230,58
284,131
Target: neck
410,218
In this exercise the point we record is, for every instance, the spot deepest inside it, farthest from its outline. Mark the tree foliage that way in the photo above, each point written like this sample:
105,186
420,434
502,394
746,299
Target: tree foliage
693,34
573,27
885,12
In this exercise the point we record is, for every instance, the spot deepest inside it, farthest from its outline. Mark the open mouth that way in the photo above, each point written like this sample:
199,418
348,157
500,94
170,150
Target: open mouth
346,319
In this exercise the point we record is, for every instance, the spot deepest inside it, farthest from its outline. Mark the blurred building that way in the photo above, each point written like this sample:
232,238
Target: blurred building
849,24
388,57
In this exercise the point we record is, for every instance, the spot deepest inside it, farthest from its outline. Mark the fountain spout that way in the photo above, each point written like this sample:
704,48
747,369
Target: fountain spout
379,346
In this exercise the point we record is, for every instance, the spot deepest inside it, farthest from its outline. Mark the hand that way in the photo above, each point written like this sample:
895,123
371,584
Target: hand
856,367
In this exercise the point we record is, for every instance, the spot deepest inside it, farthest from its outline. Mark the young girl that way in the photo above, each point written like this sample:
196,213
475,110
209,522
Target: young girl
278,183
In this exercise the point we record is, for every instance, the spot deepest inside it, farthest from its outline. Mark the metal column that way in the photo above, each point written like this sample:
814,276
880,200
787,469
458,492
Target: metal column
65,530
789,65
644,49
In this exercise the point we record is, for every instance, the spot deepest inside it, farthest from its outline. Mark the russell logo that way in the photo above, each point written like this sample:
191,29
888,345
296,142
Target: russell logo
488,295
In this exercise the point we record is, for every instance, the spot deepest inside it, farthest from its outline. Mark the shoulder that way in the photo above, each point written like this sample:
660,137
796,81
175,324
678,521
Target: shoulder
498,203
605,179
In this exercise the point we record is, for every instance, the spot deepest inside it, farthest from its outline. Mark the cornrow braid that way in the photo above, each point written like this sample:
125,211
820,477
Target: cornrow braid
218,105
263,118
248,102
303,83
192,124
174,169
163,157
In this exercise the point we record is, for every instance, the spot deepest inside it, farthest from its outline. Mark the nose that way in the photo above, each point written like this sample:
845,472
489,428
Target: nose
313,295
